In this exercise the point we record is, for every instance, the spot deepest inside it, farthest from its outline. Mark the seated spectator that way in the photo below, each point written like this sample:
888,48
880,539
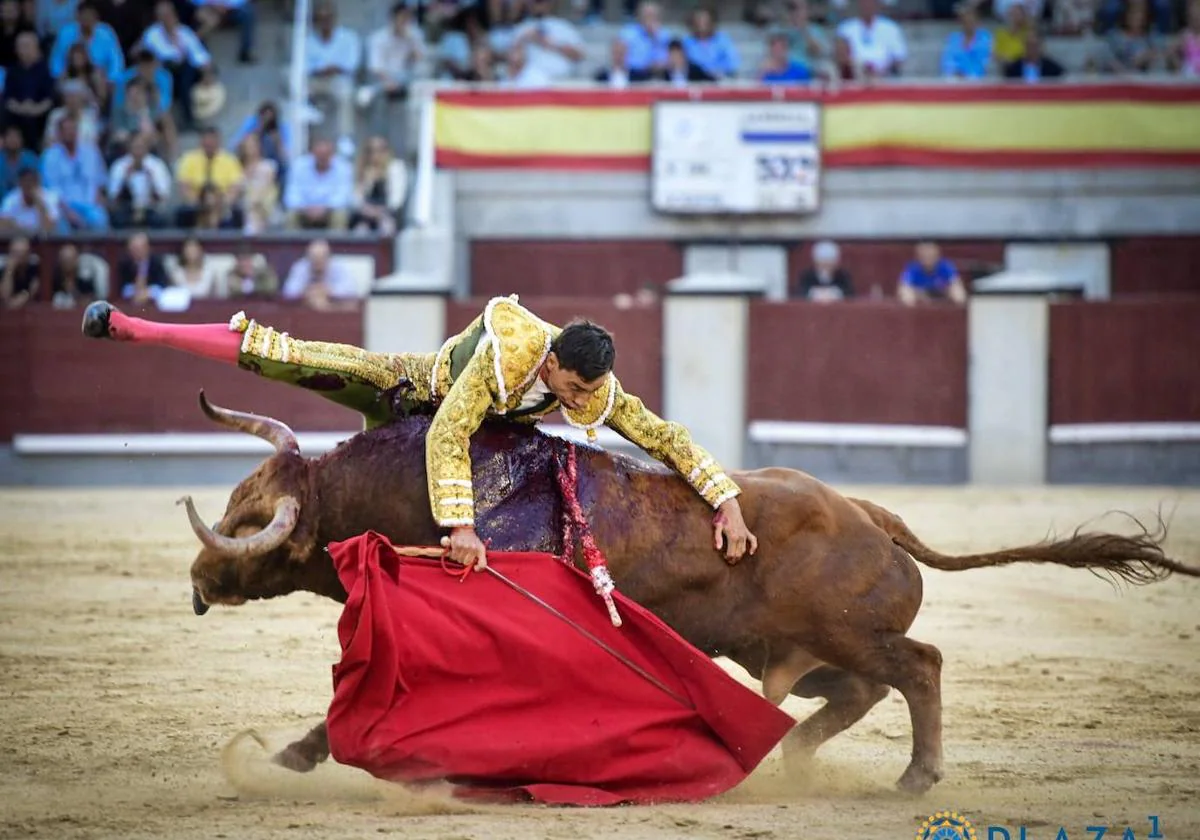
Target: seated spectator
681,71
845,67
1009,44
808,44
930,277
1132,47
80,69
30,207
319,191
211,14
708,48
618,75
1186,51
1160,13
454,51
334,56
11,27
75,280
103,46
28,91
141,274
155,79
519,73
319,280
825,280
209,165
192,270
251,276
379,189
20,278
212,213
74,168
392,55
968,51
13,158
272,134
56,15
78,107
139,187
552,46
1036,65
1073,17
483,65
876,42
1033,8
133,119
129,19
261,199
646,41
181,53
779,67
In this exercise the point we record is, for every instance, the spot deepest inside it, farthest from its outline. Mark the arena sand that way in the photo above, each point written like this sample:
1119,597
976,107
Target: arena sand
1067,703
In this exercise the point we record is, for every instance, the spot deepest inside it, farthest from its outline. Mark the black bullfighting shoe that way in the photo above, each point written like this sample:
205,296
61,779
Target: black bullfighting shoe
95,319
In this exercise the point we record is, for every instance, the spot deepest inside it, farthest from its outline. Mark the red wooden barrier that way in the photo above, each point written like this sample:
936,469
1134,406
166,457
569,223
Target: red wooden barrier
577,267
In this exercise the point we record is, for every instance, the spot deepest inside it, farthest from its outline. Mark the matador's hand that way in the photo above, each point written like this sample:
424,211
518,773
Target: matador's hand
729,528
466,547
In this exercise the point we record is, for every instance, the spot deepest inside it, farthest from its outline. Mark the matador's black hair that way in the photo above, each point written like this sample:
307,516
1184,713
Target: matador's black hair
586,349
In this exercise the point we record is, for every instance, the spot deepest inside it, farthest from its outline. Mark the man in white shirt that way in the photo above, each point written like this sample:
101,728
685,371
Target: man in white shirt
180,51
139,186
876,43
334,55
553,46
319,191
321,281
30,208
392,54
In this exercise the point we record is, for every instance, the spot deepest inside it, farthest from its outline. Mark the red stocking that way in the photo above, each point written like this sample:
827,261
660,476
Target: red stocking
212,341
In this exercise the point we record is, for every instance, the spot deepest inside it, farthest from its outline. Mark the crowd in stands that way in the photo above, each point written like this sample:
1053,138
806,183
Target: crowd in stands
927,277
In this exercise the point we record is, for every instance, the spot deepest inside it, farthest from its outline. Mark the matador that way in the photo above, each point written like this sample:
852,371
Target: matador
508,363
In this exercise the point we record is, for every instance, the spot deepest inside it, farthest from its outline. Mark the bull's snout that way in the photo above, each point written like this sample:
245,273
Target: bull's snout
198,604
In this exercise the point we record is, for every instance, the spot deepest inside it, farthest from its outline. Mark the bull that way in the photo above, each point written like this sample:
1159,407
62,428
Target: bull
822,610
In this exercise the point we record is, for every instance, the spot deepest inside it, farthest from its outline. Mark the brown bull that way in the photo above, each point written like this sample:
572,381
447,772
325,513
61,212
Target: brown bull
822,610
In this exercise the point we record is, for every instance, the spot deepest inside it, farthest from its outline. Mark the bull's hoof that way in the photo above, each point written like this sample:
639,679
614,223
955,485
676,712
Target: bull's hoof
917,779
295,758
95,319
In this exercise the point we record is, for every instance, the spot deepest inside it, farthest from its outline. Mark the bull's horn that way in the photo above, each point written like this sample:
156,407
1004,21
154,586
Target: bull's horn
269,429
287,511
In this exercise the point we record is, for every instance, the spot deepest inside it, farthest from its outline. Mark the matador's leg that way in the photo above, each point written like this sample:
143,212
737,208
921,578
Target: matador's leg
347,375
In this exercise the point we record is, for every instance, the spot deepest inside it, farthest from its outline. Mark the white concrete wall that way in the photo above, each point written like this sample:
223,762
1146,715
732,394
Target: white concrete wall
401,323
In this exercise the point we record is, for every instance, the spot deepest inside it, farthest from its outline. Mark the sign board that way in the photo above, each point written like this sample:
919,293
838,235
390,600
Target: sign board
736,157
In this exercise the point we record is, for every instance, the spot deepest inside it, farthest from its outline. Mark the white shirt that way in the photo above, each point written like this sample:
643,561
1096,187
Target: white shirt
25,216
531,77
877,45
151,184
306,187
536,393
391,56
187,47
546,62
337,280
343,50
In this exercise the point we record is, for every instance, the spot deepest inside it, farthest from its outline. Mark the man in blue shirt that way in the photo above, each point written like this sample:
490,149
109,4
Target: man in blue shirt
646,40
968,52
152,73
76,172
13,158
930,277
780,67
104,49
708,48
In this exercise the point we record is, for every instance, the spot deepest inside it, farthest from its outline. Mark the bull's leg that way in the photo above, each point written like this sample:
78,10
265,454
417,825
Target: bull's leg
304,755
848,699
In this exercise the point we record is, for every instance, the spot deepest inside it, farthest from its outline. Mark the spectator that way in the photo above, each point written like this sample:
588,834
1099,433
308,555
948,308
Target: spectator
1186,52
76,281
825,280
392,55
1009,44
1111,14
133,119
808,44
456,48
139,186
103,47
319,280
380,188
129,19
141,274
20,278
30,207
80,68
779,67
646,40
13,158
181,53
1033,8
79,107
1074,17
968,52
212,213
11,27
876,42
334,55
1036,65
680,70
551,45
483,65
262,186
28,92
156,79
845,67
55,15
205,166
211,14
74,168
320,188
192,270
618,74
708,48
519,73
251,276
930,277
273,136
1131,48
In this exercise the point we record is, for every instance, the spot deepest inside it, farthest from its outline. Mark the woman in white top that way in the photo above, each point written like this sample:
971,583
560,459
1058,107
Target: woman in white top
380,187
192,271
261,200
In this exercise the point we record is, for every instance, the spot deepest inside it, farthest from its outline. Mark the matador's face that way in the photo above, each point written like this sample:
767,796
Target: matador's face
572,390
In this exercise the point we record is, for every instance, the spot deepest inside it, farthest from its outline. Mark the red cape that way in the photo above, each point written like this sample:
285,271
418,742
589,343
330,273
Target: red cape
476,683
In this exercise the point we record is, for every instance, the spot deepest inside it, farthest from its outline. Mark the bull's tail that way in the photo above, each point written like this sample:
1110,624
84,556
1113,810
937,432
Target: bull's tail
1138,559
